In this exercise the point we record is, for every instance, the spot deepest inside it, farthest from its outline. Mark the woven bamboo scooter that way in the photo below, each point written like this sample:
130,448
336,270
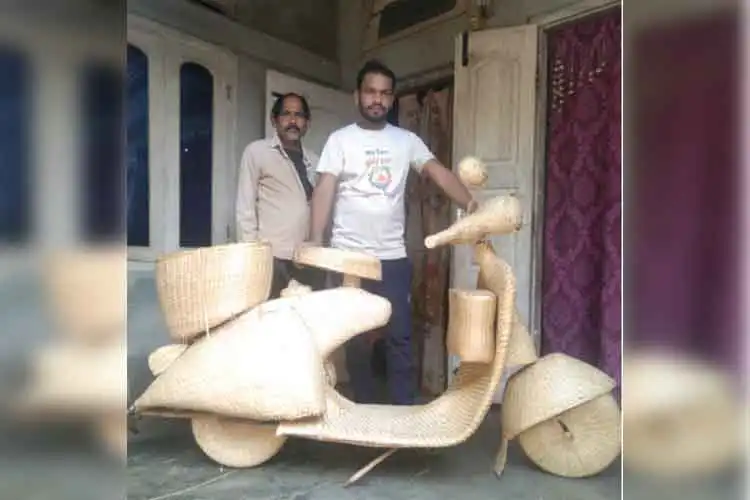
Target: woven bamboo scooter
252,373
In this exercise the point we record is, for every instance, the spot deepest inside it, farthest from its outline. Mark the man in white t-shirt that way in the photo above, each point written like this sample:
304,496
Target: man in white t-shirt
362,178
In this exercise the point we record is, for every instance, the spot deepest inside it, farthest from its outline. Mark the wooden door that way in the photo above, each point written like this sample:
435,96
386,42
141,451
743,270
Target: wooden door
495,120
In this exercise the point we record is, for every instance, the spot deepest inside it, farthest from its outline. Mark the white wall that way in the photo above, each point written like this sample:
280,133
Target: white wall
413,55
217,29
431,48
256,53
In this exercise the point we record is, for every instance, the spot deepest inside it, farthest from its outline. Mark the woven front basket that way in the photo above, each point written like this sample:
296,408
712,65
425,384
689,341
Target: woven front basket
471,325
203,288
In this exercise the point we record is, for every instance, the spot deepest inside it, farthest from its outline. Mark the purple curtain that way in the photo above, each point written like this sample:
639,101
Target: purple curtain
682,290
581,269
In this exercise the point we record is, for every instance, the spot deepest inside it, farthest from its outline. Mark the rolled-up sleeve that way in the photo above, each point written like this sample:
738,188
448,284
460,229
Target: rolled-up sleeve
247,197
419,153
331,159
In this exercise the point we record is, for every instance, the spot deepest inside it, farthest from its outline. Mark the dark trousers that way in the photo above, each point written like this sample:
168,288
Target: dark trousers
285,270
396,287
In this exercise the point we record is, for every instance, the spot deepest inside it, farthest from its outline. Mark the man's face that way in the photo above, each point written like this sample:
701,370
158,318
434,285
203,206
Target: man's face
291,124
375,97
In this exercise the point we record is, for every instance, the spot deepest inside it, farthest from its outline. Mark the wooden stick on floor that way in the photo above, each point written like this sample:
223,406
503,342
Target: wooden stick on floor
502,457
367,468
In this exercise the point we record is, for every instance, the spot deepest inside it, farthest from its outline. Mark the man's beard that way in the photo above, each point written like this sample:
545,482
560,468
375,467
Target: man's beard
373,119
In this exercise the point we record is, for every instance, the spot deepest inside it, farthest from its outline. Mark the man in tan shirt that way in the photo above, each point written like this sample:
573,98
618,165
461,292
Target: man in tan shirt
275,186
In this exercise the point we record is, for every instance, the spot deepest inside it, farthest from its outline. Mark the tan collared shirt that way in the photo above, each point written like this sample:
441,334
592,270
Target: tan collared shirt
271,202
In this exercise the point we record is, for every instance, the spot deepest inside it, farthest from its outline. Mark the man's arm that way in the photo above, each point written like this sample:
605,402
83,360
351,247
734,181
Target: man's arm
247,197
450,184
321,206
330,166
424,162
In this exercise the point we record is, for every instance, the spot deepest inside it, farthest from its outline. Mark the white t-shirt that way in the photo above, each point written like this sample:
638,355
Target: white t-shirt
372,167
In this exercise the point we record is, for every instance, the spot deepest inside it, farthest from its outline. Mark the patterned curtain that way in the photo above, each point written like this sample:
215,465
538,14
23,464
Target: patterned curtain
581,273
683,290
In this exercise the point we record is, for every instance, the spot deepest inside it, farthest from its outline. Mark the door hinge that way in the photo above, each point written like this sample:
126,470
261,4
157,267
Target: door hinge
229,92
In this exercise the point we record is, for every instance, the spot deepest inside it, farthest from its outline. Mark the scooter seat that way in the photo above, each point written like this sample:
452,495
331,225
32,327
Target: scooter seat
446,421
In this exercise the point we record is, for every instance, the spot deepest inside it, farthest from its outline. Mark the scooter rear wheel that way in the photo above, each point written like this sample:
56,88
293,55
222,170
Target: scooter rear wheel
236,443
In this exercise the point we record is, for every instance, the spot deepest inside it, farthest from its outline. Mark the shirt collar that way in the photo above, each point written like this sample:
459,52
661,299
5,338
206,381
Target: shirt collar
276,143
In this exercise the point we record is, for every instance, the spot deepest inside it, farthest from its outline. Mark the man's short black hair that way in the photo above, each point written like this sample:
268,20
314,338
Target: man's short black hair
373,66
278,105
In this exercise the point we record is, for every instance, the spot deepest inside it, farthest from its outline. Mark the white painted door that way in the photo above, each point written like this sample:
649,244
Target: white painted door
495,119
330,108
181,155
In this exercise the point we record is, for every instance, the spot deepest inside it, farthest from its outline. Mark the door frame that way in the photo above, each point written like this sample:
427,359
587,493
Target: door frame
173,47
545,22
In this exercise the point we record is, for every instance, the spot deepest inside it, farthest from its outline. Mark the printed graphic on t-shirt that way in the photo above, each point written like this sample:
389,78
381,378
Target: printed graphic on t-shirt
378,164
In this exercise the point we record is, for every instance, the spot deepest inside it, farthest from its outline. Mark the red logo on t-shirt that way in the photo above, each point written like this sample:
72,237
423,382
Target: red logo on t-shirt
380,176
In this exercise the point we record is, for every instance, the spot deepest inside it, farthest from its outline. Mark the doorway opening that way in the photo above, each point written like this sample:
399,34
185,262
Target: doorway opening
580,304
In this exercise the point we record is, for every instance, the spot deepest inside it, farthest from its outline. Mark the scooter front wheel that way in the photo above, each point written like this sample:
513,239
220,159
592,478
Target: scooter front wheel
580,442
236,443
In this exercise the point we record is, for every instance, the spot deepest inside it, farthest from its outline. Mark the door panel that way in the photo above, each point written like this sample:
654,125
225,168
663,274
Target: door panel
495,119
196,155
188,147
204,76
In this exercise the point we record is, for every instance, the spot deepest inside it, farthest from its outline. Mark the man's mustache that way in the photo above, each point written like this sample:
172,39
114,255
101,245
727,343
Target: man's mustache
292,127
